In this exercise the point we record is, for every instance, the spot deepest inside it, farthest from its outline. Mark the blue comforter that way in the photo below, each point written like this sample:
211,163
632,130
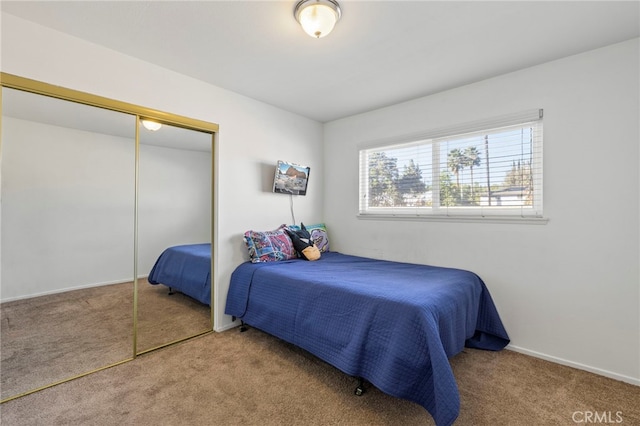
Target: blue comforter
186,268
393,324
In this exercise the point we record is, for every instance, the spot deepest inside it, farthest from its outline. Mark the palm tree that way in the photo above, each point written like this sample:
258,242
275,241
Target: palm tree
455,162
472,159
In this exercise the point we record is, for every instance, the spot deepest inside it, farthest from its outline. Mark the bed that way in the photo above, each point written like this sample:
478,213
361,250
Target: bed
185,268
392,324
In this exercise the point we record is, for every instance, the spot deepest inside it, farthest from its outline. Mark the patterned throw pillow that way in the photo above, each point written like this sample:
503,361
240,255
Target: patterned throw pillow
269,246
319,235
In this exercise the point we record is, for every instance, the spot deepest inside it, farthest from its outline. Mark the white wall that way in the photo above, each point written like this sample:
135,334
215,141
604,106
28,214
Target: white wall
252,136
568,290
174,201
68,206
67,209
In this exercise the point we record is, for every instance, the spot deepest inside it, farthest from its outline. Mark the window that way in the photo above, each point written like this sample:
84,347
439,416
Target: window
485,169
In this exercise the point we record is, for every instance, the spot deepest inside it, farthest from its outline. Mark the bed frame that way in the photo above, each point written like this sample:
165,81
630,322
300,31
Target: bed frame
392,324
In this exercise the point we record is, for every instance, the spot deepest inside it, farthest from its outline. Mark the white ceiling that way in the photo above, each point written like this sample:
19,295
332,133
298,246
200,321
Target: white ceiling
380,53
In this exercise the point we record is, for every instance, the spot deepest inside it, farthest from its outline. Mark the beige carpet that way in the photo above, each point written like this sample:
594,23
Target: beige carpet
51,338
251,378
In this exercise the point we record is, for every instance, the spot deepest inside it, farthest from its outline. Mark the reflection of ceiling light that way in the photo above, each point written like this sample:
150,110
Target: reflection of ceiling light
317,17
151,125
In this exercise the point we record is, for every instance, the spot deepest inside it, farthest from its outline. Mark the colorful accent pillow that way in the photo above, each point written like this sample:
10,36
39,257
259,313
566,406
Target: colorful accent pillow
269,246
318,233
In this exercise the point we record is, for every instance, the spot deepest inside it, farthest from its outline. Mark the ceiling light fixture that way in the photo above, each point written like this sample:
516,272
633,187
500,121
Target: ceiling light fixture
151,125
317,17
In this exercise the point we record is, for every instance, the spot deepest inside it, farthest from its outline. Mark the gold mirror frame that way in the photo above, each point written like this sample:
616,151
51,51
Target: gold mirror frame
33,86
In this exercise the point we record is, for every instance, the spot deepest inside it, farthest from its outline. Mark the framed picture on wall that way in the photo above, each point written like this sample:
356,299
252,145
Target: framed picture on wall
291,178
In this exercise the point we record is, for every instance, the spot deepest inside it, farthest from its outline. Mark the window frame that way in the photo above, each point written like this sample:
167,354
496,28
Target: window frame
435,138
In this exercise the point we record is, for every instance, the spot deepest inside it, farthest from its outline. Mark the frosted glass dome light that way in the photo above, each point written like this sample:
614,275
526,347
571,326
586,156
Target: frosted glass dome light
317,17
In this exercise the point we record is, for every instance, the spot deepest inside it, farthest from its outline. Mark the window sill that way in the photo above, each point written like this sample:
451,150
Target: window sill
460,218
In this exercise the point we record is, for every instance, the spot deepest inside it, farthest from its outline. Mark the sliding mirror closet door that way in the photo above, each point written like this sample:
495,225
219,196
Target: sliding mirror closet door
67,232
174,235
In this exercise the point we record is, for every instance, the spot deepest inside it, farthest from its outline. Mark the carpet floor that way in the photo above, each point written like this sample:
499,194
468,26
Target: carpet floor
50,338
252,378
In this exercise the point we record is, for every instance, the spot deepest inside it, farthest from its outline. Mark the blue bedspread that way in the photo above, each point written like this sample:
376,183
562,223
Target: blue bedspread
186,268
393,324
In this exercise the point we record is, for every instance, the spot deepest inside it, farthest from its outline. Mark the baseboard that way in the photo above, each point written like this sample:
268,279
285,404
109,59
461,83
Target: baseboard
64,290
577,365
227,327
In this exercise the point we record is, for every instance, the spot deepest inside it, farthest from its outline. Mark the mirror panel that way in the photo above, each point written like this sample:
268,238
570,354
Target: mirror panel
174,235
67,230
71,219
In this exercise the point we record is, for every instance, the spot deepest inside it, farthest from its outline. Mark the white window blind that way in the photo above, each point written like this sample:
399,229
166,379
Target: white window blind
489,168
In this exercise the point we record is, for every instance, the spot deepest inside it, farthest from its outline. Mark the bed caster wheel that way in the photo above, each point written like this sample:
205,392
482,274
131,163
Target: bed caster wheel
359,391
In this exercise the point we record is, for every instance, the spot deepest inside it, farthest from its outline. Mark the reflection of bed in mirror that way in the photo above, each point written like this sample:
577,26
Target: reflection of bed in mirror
175,201
73,176
185,268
